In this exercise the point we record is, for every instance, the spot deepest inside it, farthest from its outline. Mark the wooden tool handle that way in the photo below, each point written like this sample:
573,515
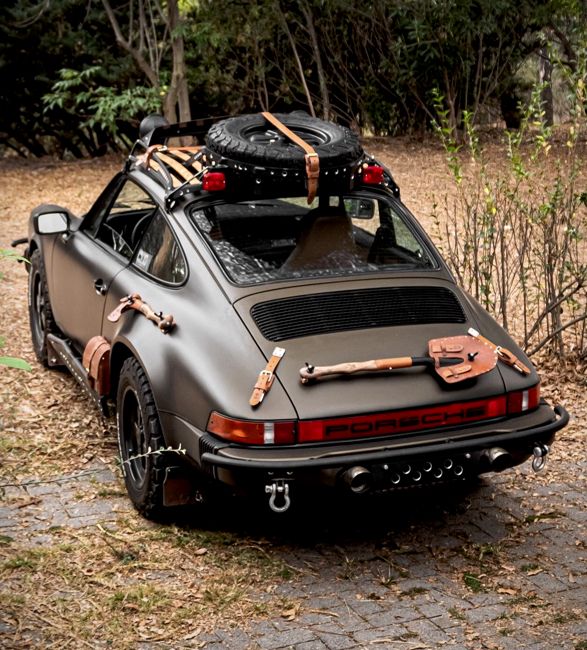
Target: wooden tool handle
312,373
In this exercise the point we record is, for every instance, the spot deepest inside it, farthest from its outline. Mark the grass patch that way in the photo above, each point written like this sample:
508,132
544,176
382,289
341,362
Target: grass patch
141,598
96,586
527,568
507,631
106,493
457,614
27,559
414,591
553,514
473,582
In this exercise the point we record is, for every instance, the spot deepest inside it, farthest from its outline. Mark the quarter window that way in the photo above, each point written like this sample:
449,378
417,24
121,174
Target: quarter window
159,253
124,222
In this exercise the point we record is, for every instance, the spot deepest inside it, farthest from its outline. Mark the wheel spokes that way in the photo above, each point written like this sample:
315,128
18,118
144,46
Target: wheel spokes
134,438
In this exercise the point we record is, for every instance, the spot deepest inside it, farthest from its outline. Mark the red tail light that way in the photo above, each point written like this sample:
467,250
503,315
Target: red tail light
214,182
396,422
250,432
373,175
520,401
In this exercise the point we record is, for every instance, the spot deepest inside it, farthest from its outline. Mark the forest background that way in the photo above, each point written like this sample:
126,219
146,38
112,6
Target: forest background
76,76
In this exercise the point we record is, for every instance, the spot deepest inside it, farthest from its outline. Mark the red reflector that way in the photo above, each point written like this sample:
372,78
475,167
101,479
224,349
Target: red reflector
383,424
373,175
250,432
214,182
520,401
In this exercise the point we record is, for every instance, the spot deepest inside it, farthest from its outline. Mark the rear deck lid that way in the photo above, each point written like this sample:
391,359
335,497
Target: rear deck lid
326,325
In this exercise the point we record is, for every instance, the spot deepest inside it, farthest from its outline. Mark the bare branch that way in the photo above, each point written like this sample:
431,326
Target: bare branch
127,45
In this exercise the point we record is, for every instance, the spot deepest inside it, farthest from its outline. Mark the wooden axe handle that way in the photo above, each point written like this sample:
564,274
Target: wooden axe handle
312,373
164,323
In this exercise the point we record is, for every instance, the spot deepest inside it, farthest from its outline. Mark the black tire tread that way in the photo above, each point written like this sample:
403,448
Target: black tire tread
40,347
226,139
150,502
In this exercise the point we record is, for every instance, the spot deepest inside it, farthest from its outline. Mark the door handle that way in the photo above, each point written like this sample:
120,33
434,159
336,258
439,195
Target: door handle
100,286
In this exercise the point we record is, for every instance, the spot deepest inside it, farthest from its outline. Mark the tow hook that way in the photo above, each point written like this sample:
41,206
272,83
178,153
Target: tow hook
279,492
540,452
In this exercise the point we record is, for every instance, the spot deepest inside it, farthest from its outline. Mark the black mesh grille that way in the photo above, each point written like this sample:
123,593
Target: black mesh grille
324,313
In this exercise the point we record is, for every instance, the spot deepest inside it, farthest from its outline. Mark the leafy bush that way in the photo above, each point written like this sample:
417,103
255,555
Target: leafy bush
516,237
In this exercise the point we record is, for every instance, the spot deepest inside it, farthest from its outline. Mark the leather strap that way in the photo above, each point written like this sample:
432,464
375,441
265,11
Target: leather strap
312,159
503,354
266,377
134,301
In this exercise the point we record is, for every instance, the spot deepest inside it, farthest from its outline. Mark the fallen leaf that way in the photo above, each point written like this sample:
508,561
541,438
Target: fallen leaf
504,590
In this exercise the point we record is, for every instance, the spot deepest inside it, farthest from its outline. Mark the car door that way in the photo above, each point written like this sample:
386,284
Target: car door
86,261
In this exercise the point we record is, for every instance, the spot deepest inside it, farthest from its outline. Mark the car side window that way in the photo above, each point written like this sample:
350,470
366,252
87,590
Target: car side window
123,223
159,253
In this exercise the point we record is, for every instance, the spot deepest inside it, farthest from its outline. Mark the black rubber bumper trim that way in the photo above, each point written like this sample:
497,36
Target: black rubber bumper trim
526,435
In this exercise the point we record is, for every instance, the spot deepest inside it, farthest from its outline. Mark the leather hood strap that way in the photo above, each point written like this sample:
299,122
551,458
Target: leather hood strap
312,159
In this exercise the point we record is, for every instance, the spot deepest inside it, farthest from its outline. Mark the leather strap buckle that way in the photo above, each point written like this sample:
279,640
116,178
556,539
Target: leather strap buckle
266,377
265,380
312,158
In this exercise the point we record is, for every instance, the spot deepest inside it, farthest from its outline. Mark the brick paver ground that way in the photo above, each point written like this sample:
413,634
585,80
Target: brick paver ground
499,567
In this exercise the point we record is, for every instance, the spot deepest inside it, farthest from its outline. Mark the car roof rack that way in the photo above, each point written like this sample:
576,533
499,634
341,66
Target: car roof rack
180,169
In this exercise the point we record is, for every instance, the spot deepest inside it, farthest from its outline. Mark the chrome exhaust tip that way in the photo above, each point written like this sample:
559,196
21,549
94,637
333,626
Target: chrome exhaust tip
498,459
358,479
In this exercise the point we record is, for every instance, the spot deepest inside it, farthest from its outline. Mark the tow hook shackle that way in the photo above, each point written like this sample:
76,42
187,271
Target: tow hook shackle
279,500
539,452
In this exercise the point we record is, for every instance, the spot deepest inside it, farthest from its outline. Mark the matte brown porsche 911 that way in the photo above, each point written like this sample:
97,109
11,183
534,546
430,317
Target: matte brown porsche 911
263,312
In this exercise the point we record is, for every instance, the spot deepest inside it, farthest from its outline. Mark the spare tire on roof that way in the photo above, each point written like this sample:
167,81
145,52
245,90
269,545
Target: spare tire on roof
252,139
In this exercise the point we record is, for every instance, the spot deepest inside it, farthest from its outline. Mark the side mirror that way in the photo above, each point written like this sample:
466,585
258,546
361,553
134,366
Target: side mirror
51,222
360,208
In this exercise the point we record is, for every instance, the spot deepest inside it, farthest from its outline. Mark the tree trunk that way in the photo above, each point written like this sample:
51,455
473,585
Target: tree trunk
545,79
298,60
319,67
177,101
126,44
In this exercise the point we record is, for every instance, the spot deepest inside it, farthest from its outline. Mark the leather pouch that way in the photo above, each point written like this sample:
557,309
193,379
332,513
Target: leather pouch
96,361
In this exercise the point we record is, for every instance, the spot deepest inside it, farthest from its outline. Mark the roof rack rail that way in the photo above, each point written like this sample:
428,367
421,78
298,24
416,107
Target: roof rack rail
155,129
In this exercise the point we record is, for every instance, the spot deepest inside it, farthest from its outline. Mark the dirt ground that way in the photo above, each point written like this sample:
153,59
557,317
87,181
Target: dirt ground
79,568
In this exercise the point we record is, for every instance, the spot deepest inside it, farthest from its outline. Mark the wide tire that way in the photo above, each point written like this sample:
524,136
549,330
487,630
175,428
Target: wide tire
41,318
252,139
139,438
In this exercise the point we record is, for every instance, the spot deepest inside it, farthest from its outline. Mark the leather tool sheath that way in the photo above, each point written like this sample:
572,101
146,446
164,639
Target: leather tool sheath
266,377
503,354
312,160
96,361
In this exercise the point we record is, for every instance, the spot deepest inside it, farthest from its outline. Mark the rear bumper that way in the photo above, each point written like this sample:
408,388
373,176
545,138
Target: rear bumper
465,449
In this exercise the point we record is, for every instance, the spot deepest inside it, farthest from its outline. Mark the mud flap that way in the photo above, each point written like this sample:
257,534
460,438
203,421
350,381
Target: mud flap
179,488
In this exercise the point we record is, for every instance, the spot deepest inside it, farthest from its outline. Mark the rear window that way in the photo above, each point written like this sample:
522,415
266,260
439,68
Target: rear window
280,239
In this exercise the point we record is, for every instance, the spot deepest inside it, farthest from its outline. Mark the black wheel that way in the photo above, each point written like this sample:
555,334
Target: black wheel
40,313
139,436
251,138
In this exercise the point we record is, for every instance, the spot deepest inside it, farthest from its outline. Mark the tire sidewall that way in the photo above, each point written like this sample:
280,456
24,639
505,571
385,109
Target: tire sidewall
147,497
38,283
